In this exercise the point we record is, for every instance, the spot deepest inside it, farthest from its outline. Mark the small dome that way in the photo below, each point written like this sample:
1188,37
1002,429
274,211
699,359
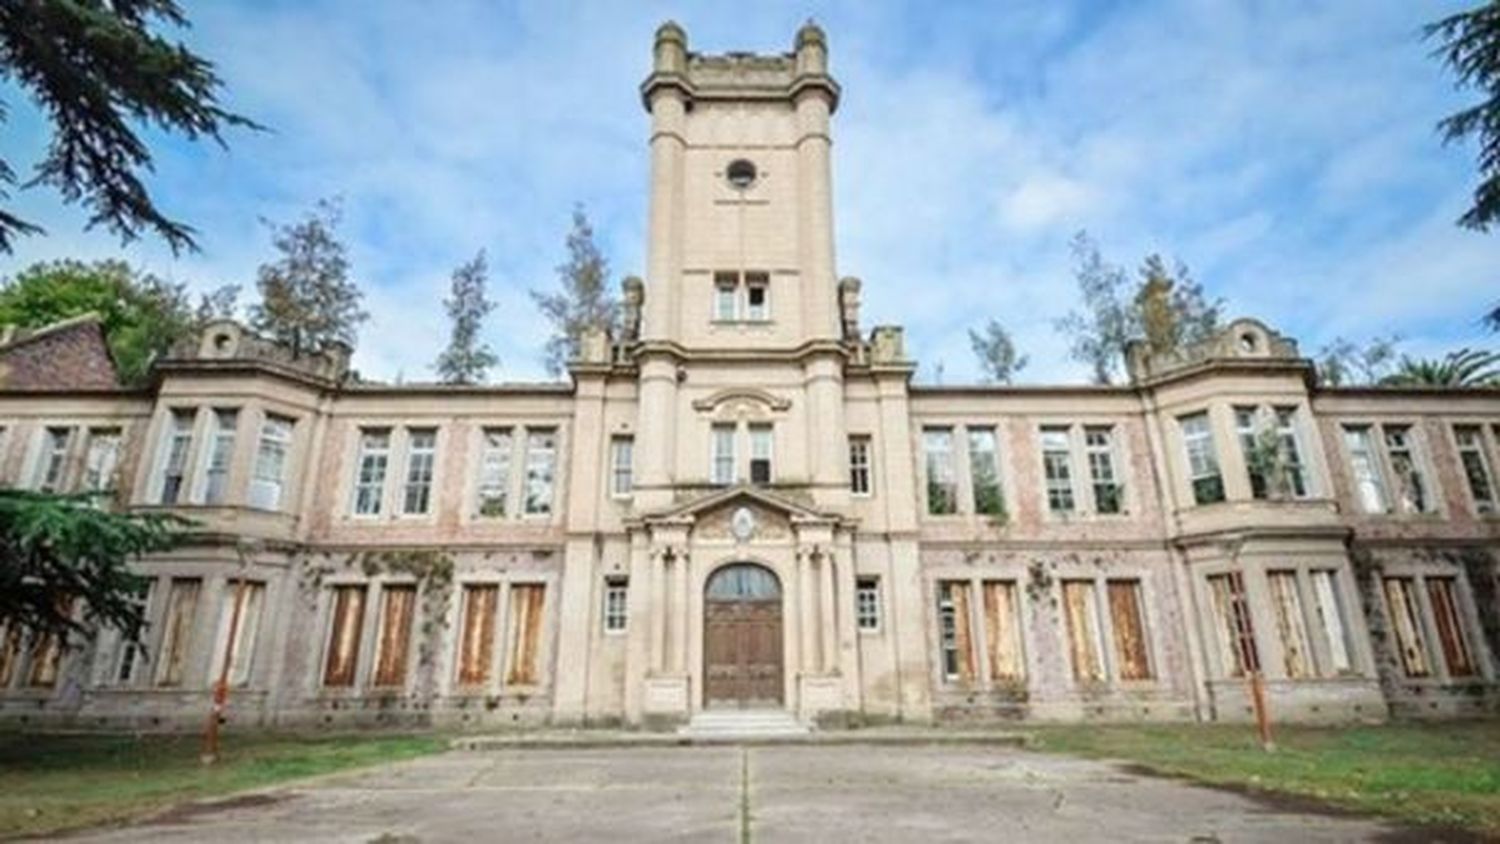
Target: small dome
670,31
811,34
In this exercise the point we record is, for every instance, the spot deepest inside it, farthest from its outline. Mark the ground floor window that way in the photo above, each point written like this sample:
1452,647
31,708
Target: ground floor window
1127,620
526,633
1406,622
867,604
1003,631
476,642
1081,618
1442,593
1286,605
345,629
957,652
177,627
1236,635
616,591
247,630
398,605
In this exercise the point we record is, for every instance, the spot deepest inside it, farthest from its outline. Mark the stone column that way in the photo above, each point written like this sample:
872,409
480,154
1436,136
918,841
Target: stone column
656,432
827,444
806,617
828,630
658,600
814,105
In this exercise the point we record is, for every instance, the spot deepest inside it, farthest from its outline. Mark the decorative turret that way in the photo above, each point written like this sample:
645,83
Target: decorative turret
671,49
1241,340
811,50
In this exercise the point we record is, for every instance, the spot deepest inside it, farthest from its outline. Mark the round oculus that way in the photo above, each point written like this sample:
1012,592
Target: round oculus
740,173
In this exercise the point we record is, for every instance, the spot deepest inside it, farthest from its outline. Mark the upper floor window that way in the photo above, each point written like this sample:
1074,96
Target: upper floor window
616,591
52,462
421,452
270,462
622,465
494,472
1272,451
220,456
179,439
984,472
859,464
1391,479
742,297
726,297
942,480
1471,453
1400,451
1057,468
760,454
374,457
101,459
541,469
1364,466
867,604
1099,446
1202,458
757,297
722,456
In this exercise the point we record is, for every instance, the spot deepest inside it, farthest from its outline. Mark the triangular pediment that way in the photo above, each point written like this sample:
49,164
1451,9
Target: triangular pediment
728,500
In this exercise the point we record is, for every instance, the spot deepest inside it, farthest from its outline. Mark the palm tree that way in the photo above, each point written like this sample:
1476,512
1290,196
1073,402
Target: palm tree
1463,368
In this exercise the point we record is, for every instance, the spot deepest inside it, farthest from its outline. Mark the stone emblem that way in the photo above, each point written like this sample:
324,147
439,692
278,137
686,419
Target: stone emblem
742,524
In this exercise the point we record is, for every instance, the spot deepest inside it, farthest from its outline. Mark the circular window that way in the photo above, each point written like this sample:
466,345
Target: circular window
740,173
1247,342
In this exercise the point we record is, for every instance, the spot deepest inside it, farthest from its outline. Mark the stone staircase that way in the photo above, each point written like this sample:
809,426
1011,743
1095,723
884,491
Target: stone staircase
744,725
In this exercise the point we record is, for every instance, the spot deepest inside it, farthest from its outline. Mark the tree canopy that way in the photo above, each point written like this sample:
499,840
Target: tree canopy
1462,368
97,70
467,359
996,352
308,302
1344,363
1469,43
584,300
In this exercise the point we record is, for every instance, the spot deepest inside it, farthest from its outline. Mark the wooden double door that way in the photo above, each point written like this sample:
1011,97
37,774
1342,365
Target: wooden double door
742,646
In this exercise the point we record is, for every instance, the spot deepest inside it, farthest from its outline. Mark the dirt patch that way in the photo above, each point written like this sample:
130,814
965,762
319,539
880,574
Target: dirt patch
189,812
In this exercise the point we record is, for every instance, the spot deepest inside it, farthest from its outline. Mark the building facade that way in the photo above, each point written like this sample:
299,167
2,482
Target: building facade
744,501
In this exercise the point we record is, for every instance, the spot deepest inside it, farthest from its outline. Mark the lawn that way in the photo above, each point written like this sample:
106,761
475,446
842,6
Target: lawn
50,783
1446,773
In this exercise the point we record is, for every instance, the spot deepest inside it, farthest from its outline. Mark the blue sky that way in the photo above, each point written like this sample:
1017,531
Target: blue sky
1283,150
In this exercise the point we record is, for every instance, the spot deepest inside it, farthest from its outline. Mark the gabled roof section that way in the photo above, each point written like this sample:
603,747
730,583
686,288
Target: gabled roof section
794,510
71,354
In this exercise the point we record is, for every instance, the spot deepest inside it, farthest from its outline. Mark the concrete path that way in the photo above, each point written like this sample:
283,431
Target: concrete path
793,793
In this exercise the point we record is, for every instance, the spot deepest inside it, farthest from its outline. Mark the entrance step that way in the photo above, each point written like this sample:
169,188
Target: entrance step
736,724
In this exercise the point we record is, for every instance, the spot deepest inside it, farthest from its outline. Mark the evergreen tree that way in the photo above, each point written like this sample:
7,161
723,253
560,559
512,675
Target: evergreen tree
308,301
94,69
997,353
584,301
467,360
1469,43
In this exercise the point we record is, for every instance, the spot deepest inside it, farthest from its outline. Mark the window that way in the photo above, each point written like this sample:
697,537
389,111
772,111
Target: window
942,482
177,631
1401,600
760,454
622,465
101,460
421,446
955,645
270,462
130,655
494,472
1442,592
10,655
1127,621
1293,472
374,456
1203,460
1470,441
1331,620
723,454
344,632
984,470
525,633
52,462
726,294
1286,606
859,464
1273,457
1364,468
220,456
476,645
1236,636
616,590
46,659
1245,424
731,304
757,297
541,467
1057,469
179,439
867,604
1081,612
398,603
1003,630
1099,446
1411,491
243,648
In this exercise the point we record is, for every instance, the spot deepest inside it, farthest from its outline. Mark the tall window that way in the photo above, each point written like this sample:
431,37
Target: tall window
1406,619
616,593
374,458
476,644
1325,588
1057,469
1081,613
1365,468
1286,606
541,469
398,605
245,634
179,438
984,469
52,462
723,454
526,601
344,633
1470,440
1237,652
1128,622
130,655
1203,459
859,464
220,455
270,462
1247,427
1294,473
726,297
421,446
760,454
742,297
1002,627
1273,455
101,460
1442,593
177,631
942,480
757,297
494,472
867,604
956,646
1411,489
622,465
1099,445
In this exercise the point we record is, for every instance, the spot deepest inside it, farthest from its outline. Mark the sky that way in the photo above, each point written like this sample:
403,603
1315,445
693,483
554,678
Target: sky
1284,151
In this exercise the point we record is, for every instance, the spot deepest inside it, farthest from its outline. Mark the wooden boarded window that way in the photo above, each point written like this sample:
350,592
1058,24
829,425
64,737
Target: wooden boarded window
399,603
1237,651
46,656
1003,632
1401,600
245,635
476,643
955,643
1443,594
1081,612
1331,620
10,656
1291,626
177,631
347,625
525,633
1126,617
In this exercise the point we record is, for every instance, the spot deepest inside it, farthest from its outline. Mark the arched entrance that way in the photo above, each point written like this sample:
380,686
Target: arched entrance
742,652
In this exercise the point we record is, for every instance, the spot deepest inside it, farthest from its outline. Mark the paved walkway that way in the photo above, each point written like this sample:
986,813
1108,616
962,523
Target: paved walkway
794,793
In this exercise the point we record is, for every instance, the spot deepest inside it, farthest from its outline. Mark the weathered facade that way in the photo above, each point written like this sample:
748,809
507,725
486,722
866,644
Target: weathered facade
743,501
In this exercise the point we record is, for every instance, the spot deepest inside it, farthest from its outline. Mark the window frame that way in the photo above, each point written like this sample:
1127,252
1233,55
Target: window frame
1059,486
419,470
217,470
1479,449
973,435
50,472
540,471
621,465
373,456
868,612
1205,471
723,462
939,470
615,605
762,452
1109,454
271,443
495,472
861,466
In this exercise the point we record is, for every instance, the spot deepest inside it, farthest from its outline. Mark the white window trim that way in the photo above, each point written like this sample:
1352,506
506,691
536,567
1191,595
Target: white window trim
434,484
878,612
615,584
621,444
1484,448
868,443
383,506
1421,455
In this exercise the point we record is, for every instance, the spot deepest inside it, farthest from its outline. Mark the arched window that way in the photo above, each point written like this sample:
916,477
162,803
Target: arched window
743,582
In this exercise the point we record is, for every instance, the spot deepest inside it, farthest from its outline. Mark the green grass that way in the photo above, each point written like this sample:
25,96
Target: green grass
1446,773
54,782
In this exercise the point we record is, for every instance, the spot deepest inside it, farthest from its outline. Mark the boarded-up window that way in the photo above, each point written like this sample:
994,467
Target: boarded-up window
1127,619
525,633
1003,631
246,631
177,630
1081,613
476,643
955,643
395,634
1331,620
46,656
343,636
10,655
1286,603
1236,635
1443,594
1401,599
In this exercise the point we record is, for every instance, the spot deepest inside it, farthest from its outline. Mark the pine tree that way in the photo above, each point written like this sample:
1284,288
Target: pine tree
308,301
583,303
997,353
1469,43
467,360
